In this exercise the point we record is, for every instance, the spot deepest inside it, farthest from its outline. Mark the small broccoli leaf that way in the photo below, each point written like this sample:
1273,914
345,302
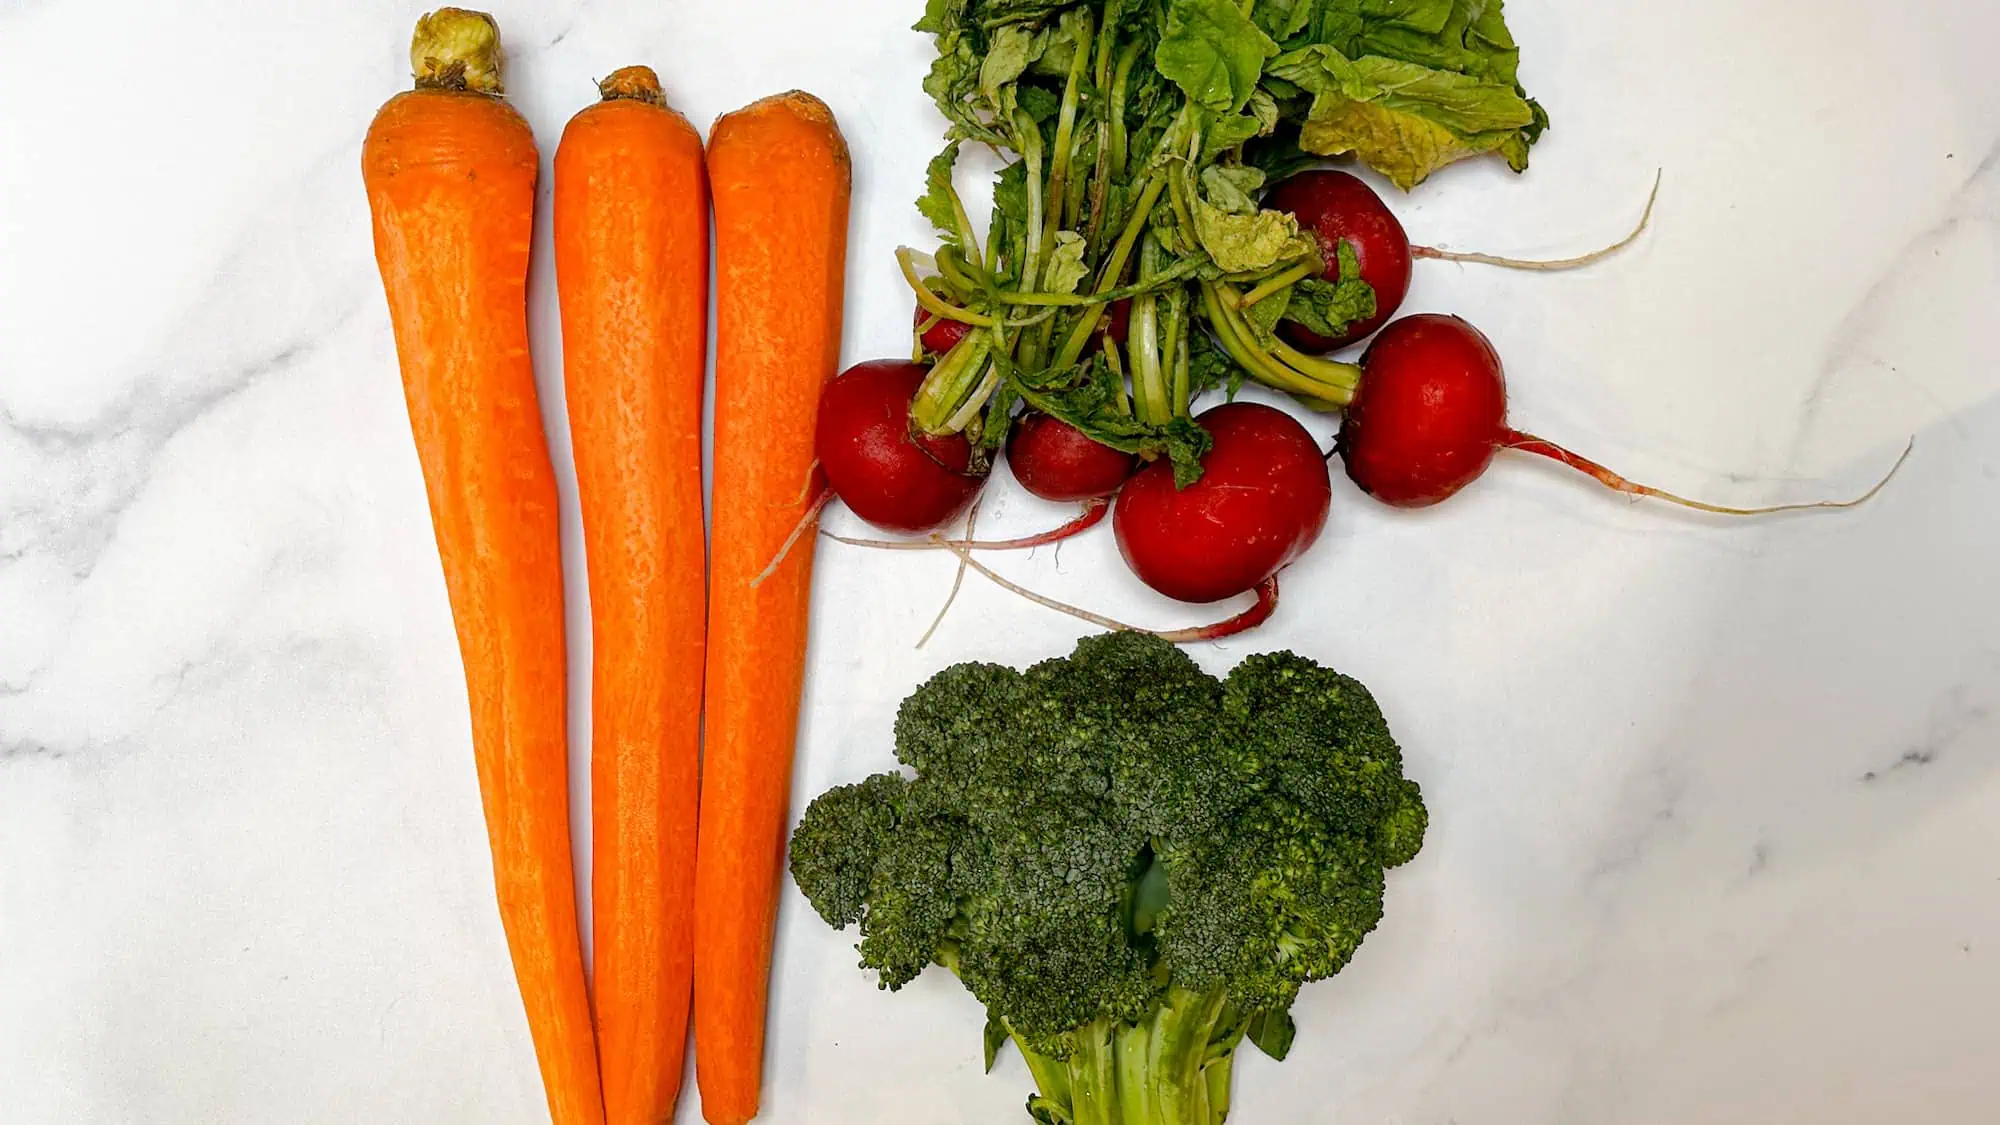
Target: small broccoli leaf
996,1038
1008,54
1046,1112
1213,52
1328,307
938,203
1066,266
1237,236
1273,1031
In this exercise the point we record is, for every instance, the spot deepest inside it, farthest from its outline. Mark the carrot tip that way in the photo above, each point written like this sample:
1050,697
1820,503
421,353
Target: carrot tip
456,49
638,83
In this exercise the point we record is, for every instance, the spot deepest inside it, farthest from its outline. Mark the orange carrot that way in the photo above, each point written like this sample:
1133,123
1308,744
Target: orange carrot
631,240
450,172
778,174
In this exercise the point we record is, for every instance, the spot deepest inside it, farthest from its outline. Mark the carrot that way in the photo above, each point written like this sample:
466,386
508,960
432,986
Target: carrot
778,174
450,172
631,242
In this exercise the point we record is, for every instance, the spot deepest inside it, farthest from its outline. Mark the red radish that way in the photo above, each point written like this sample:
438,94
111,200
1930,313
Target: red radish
1336,207
942,335
1429,415
1260,503
1117,322
1431,411
1056,461
875,461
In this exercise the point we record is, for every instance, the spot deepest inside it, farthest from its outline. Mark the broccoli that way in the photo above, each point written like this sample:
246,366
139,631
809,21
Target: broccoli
1132,865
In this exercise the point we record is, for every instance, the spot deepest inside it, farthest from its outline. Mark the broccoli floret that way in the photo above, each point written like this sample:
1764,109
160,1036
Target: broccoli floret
1132,864
839,841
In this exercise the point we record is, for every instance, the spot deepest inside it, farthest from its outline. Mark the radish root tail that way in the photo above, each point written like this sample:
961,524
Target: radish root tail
958,577
1550,265
1093,514
1529,443
1257,614
806,489
805,521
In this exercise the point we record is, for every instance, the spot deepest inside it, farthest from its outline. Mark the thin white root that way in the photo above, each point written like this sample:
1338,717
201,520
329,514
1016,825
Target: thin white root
965,559
1595,256
806,521
958,579
1257,614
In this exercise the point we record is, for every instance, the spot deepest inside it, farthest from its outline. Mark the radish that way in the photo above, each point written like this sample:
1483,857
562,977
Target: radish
1261,502
1431,411
1056,461
1336,207
874,460
1117,323
937,334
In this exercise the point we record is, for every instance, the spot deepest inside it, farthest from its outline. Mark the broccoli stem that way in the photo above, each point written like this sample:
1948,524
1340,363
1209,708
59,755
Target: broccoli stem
1170,1068
1138,1051
1093,1076
1051,1075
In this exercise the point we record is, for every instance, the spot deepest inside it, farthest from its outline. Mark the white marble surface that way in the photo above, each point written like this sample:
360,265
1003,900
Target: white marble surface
1716,806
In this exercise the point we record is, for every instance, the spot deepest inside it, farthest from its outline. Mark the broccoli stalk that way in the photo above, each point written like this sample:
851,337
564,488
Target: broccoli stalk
1133,865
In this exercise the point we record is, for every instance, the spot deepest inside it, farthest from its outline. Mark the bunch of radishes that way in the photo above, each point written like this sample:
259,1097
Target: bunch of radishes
1426,415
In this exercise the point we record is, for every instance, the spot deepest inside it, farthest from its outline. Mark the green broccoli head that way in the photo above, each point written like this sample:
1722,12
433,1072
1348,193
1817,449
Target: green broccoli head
839,841
1047,945
1116,839
1271,905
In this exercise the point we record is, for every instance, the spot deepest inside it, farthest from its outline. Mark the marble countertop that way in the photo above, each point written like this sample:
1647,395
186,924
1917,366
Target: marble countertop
1716,806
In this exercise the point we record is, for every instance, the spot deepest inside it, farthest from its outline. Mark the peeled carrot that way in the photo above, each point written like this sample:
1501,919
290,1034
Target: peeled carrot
631,242
778,174
450,173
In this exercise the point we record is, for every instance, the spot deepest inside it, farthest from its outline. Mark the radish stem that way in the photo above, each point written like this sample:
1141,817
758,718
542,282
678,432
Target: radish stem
905,257
1284,280
1122,402
1079,337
